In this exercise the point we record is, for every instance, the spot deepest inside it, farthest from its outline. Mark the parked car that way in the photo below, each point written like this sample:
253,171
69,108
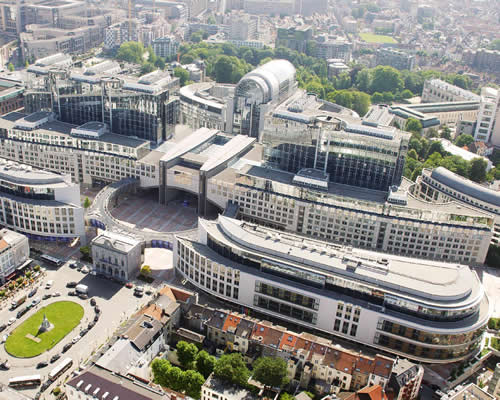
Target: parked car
83,296
2,327
129,285
5,365
71,293
92,302
35,302
149,291
97,310
56,294
46,296
66,347
54,358
90,325
42,364
33,292
12,320
76,339
4,338
83,332
71,284
49,284
96,318
85,270
73,264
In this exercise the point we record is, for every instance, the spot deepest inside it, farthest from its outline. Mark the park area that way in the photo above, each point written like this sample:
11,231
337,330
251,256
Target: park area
374,38
26,341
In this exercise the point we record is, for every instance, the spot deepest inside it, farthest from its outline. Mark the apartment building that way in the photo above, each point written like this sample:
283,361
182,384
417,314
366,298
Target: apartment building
395,58
483,59
405,380
308,357
40,204
436,90
384,301
166,47
14,253
333,47
294,37
488,110
11,96
116,255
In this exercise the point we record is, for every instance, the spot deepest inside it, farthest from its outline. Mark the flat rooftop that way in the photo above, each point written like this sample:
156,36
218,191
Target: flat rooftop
430,281
21,174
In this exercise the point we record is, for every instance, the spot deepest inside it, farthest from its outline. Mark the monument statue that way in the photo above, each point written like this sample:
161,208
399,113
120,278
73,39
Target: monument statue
45,326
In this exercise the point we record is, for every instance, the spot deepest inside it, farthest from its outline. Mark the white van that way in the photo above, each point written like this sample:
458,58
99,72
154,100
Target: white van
82,289
49,284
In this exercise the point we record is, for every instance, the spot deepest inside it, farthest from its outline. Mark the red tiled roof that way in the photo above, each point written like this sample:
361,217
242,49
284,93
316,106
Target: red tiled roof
231,321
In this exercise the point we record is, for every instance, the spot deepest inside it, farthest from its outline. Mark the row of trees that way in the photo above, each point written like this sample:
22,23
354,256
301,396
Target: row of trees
198,365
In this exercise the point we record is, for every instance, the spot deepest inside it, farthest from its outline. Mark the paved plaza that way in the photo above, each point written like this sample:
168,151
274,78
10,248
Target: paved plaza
144,212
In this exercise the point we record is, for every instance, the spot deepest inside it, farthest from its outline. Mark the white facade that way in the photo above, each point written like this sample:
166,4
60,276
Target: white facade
436,90
116,255
166,47
280,275
14,251
486,117
41,204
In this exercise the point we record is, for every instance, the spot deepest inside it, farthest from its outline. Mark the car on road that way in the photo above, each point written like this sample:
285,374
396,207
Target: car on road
76,339
96,318
73,264
71,284
20,313
56,294
66,347
12,320
79,268
4,338
149,291
33,292
35,302
129,285
92,302
71,293
54,358
85,270
139,291
84,332
45,386
49,284
2,327
5,365
42,364
46,296
90,325
97,310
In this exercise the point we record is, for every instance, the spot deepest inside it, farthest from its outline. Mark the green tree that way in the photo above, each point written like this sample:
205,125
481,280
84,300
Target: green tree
232,368
86,203
413,154
386,79
85,250
174,378
205,363
145,270
377,98
197,37
182,74
436,147
192,382
147,67
186,353
26,64
461,81
160,63
464,140
159,368
270,371
11,67
364,80
446,132
406,94
315,87
286,396
413,125
131,52
477,171
211,20
36,268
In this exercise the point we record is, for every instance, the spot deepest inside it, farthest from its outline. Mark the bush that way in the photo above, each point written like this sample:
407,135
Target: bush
57,391
2,293
494,323
495,344
36,268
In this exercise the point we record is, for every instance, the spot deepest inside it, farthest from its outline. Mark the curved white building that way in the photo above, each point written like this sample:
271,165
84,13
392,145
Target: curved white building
424,310
267,85
43,205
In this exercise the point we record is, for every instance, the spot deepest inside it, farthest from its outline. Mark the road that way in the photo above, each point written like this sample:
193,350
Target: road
116,302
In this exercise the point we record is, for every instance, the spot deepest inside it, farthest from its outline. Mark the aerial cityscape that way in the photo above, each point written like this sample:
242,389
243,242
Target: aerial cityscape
249,200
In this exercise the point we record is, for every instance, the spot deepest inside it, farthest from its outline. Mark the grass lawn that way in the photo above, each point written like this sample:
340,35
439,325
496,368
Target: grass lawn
374,38
64,315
